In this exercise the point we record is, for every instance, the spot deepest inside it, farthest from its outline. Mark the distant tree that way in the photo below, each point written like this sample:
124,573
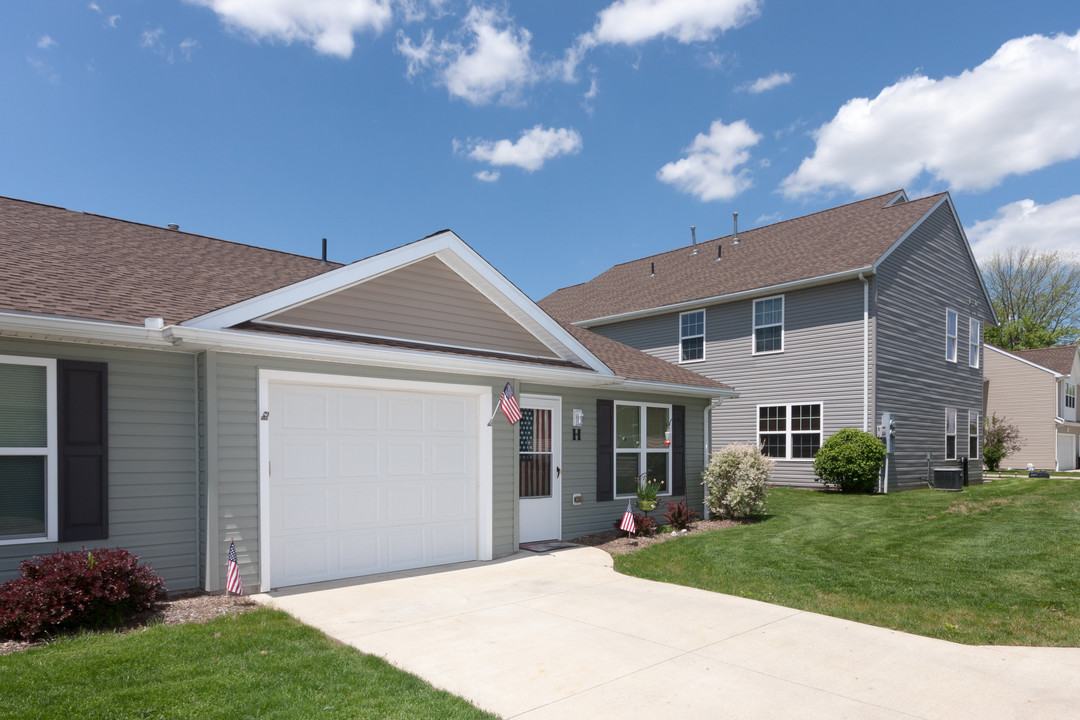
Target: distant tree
1000,438
1036,297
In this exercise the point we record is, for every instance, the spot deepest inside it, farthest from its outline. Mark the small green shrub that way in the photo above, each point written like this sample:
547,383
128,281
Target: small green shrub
850,460
1000,438
735,481
76,589
679,516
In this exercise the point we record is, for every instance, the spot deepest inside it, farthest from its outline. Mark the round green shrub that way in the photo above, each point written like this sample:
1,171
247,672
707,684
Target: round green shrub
850,460
735,481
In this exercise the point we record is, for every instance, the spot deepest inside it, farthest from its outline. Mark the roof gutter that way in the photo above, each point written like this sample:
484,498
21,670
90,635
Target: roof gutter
38,327
730,297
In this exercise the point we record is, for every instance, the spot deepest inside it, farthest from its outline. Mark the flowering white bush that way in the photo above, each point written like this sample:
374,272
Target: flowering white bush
735,481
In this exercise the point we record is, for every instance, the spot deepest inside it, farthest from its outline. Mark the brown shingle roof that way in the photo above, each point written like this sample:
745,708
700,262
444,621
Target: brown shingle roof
1058,358
59,262
832,241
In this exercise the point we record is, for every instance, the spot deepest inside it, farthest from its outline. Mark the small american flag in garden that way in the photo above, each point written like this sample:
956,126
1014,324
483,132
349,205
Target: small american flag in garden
233,583
509,405
628,519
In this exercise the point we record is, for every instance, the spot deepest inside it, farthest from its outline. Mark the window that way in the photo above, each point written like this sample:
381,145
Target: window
789,432
769,325
950,335
973,435
950,433
692,336
642,446
973,343
1070,395
28,449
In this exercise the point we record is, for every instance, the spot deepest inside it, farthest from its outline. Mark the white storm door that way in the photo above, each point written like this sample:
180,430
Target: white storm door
1066,452
539,434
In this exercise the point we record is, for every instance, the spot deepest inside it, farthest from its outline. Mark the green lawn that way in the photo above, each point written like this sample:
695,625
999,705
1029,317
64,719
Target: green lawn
261,664
996,564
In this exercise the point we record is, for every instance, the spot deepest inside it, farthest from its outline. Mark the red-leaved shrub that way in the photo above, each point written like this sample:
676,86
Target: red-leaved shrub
76,589
645,525
680,516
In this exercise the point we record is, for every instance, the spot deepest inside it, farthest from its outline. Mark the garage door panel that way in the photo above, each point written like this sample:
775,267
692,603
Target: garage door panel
370,480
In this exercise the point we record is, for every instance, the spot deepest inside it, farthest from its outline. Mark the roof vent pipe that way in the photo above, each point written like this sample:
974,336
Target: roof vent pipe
174,226
323,262
736,216
719,251
652,269
693,238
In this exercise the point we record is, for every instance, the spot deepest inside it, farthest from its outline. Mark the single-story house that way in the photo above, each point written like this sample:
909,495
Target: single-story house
171,393
1035,390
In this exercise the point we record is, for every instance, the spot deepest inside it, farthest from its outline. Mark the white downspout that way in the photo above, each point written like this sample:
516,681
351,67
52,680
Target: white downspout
865,353
707,424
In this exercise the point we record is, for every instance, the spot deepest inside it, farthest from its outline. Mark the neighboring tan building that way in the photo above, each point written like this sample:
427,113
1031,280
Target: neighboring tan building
1036,391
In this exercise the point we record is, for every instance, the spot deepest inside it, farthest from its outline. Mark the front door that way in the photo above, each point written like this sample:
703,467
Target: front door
539,471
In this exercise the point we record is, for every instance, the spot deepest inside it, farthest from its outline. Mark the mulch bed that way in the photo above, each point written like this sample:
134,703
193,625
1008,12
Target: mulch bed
616,542
186,608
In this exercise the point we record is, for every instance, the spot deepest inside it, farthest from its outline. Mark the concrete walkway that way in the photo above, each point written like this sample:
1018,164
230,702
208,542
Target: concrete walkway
561,635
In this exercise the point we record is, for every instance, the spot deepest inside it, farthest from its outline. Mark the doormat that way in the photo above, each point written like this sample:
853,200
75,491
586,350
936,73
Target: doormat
546,545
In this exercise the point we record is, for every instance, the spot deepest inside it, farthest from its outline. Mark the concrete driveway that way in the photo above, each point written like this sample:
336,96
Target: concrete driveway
561,635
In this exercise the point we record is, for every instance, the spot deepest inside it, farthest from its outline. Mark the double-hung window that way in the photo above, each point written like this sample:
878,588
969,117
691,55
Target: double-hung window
950,433
790,432
950,335
28,450
973,435
692,336
973,343
1070,395
642,446
769,325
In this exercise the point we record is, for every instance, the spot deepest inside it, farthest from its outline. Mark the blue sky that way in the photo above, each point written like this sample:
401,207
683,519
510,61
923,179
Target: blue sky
555,137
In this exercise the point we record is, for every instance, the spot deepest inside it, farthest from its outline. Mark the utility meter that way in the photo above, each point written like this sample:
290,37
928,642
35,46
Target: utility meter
888,431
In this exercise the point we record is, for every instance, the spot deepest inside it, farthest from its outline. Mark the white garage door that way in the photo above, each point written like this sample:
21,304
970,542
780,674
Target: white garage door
1066,451
369,480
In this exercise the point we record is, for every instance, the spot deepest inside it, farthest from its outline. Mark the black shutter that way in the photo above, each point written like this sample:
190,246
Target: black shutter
605,450
678,449
83,481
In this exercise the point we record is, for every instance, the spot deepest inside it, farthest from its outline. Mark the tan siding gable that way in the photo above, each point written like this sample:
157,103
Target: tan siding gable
423,302
1027,397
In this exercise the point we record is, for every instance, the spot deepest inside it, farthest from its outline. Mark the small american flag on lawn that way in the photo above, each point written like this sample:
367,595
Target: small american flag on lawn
233,584
509,405
628,519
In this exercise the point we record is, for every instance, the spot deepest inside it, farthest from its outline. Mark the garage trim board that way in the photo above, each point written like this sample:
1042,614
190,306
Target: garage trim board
270,380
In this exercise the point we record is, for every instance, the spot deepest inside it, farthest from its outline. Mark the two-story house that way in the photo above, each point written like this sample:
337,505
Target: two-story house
821,322
1035,390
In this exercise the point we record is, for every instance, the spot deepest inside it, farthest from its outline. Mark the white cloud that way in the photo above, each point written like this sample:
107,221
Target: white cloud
629,22
1043,228
768,83
535,147
487,175
151,39
326,25
95,7
490,60
1017,112
46,71
710,169
46,42
187,47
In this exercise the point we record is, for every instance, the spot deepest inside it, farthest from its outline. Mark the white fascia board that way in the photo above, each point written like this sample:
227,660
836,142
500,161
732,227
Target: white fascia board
730,297
946,199
59,329
446,246
1008,354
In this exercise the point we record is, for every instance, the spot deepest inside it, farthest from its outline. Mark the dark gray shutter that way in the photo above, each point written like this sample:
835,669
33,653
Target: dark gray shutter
605,450
83,480
678,449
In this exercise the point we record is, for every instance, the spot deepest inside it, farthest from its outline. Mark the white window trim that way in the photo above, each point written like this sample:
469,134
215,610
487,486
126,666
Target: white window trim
951,357
642,451
50,452
788,431
973,415
1070,395
974,330
950,434
754,325
691,337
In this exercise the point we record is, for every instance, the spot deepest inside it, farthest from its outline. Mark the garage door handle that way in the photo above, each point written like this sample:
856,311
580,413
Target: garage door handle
558,472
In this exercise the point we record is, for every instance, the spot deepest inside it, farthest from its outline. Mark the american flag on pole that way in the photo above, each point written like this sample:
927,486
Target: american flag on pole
628,520
509,405
233,583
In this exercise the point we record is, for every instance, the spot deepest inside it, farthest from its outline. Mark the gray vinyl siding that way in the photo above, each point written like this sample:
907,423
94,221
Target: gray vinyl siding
152,459
822,362
426,302
927,273
1025,396
579,459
